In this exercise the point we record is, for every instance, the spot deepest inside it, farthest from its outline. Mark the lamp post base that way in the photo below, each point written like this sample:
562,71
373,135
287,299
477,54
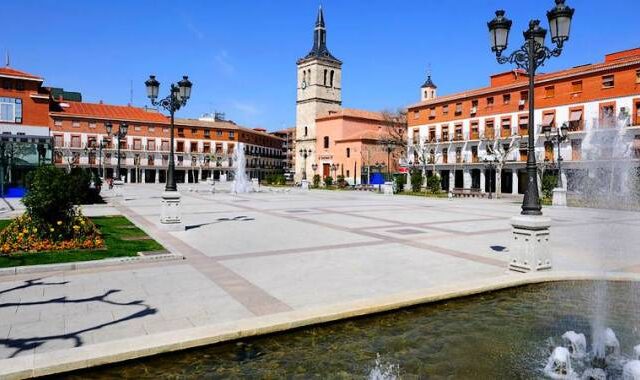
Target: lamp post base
559,197
118,186
530,250
388,188
304,184
170,217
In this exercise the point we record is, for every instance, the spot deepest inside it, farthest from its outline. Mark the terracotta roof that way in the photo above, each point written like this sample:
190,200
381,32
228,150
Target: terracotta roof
380,134
228,125
8,71
353,113
108,111
540,78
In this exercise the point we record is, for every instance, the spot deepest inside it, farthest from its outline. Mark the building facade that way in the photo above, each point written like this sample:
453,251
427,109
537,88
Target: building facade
288,149
456,129
24,127
351,143
319,90
204,148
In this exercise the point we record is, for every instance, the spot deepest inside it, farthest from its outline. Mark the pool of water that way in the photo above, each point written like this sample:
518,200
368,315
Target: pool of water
502,334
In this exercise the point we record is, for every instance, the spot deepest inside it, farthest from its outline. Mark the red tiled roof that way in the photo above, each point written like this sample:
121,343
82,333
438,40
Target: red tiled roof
8,71
221,124
108,111
380,134
354,113
574,71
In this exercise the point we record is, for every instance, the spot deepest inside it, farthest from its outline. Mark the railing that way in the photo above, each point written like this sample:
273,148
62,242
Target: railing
504,132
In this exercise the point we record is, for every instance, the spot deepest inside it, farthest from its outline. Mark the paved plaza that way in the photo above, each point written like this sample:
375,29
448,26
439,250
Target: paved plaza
274,256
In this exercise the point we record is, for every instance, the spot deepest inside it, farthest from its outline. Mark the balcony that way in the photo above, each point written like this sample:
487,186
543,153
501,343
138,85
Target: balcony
475,135
505,132
458,137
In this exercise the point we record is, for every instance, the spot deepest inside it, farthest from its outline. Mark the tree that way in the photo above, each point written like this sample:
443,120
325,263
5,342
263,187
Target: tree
425,153
501,150
396,127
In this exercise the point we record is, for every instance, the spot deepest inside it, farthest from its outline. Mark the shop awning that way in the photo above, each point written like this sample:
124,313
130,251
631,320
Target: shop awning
575,116
547,120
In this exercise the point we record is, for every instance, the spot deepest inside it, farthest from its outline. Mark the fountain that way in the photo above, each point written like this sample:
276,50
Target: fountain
241,184
559,364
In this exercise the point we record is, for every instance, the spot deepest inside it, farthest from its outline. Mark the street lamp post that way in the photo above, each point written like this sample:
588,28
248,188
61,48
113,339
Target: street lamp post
120,134
304,153
490,163
557,136
389,146
178,95
530,254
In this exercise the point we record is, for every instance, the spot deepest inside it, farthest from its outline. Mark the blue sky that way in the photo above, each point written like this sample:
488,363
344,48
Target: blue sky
241,54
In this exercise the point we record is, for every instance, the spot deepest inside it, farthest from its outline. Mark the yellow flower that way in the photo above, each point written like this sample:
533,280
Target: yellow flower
82,222
76,227
25,231
35,230
59,222
51,229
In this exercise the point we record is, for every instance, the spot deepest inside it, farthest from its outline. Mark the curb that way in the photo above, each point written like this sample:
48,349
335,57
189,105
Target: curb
49,363
87,264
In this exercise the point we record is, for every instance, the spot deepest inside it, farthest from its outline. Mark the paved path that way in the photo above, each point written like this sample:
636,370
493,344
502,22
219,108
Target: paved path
264,254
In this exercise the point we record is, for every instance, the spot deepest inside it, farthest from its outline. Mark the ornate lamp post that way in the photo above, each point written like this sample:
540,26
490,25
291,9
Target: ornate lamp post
389,146
490,162
557,136
177,98
304,153
122,133
530,56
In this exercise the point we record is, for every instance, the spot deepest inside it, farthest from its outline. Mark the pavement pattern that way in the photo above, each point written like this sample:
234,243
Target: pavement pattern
277,251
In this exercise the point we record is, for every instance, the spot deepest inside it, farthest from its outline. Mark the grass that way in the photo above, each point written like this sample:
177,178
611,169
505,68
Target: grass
115,229
424,194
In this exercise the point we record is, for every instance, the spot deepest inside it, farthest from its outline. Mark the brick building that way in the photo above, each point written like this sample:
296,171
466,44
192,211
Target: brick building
457,128
24,126
288,149
203,147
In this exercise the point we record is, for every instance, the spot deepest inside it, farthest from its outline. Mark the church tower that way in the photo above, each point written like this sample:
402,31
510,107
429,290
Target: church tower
319,91
428,89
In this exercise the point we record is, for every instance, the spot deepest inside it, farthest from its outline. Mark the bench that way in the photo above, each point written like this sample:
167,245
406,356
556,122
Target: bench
466,193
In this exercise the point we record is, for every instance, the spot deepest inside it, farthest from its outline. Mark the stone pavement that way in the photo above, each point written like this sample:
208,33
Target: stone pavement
267,254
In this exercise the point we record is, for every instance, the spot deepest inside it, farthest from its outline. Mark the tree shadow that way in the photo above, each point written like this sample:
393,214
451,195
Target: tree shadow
24,344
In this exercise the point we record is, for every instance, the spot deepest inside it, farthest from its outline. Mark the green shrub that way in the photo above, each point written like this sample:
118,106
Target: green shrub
400,181
416,181
50,195
342,182
433,183
328,181
279,179
549,182
316,180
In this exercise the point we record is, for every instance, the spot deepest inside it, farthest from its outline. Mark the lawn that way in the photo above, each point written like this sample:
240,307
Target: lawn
121,237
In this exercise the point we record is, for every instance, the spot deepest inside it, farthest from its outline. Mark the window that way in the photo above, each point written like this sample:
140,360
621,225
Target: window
549,91
637,76
607,115
524,98
458,108
11,110
416,135
75,124
445,133
6,84
490,101
57,123
475,131
474,154
575,119
180,131
331,79
207,134
489,129
180,146
325,77
432,134
58,140
523,125
506,128
348,174
218,133
445,155
506,98
416,114
607,81
20,85
151,129
137,144
549,119
458,155
432,112
474,106
348,152
232,135
326,142
151,144
92,125
445,110
164,145
194,131
636,113
165,130
576,86
306,131
137,128
576,150
458,136
75,141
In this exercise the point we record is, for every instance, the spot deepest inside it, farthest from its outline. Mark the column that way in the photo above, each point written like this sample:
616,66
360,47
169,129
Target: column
482,180
128,175
157,177
514,182
452,179
199,174
466,179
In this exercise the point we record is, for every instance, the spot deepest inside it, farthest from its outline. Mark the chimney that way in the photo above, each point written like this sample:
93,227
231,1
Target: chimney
100,102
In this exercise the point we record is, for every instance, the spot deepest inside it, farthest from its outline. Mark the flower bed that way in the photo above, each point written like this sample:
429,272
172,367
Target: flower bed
25,234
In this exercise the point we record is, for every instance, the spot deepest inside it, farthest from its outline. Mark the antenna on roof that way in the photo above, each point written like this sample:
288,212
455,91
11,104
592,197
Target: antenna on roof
131,93
8,61
428,69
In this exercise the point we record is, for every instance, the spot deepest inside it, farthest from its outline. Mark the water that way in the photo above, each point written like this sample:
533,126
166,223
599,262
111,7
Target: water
507,334
241,183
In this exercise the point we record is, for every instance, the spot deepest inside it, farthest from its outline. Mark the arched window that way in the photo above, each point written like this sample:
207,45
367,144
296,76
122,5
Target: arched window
348,152
331,79
426,94
309,77
325,77
306,130
326,142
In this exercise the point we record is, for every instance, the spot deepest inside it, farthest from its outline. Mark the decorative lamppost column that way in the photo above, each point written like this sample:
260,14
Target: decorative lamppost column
490,162
177,98
304,153
531,229
557,136
120,134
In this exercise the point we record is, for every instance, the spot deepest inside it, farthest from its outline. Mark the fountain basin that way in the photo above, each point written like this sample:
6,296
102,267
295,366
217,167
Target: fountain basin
509,329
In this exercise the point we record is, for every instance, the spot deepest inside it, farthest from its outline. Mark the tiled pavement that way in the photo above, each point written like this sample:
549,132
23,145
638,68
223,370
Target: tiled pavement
267,253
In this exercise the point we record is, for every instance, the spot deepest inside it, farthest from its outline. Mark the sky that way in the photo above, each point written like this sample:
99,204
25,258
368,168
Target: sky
241,54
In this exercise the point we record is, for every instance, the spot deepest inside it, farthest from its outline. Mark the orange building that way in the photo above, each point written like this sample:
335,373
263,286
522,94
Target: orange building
351,143
24,126
587,98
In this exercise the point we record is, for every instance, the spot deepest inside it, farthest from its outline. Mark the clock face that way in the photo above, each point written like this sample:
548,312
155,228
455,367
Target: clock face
304,85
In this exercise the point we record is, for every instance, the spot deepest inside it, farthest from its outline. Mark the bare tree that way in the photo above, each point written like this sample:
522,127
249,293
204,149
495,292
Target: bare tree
396,127
501,149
